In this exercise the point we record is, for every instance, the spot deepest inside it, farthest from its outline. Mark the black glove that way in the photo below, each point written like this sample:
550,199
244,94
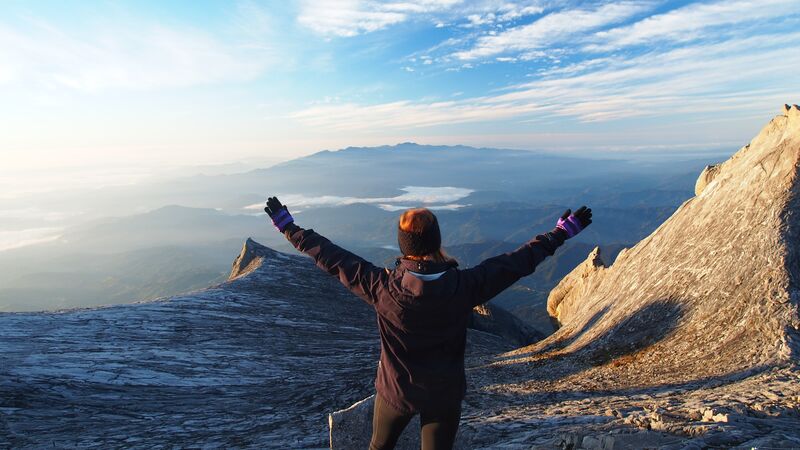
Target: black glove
574,223
278,213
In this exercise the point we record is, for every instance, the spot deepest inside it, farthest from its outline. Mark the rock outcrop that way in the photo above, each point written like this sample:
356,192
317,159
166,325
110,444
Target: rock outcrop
565,299
706,177
250,258
718,280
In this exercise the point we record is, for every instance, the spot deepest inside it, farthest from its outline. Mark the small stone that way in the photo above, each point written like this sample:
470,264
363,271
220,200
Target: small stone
591,443
710,416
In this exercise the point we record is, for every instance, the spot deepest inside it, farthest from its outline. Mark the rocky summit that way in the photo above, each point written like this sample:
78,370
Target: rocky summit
689,340
256,362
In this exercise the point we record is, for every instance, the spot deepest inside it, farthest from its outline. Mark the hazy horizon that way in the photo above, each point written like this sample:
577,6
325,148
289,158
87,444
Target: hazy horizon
121,91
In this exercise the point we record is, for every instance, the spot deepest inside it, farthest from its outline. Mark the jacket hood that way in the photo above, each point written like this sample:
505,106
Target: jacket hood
423,267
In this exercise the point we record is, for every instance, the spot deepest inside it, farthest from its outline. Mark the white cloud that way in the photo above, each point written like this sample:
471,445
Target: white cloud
552,28
737,75
347,18
691,22
129,56
448,207
413,195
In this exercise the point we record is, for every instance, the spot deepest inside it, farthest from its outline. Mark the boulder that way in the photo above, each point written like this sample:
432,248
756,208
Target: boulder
352,427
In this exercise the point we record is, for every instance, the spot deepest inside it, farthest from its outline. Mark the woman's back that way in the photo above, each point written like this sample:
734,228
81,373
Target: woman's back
423,307
422,319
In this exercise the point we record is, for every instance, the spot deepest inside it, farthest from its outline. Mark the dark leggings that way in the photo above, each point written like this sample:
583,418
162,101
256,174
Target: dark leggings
438,427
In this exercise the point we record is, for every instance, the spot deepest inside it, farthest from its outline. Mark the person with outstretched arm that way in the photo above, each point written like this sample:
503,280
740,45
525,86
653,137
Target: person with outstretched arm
423,306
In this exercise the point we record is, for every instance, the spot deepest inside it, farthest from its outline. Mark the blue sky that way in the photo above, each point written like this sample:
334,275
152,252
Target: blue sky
147,85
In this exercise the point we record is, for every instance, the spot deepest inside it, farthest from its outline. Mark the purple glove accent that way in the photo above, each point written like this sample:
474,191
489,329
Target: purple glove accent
282,219
571,225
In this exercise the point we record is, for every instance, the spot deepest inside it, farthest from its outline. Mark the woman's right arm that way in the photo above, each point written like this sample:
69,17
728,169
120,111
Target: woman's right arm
357,274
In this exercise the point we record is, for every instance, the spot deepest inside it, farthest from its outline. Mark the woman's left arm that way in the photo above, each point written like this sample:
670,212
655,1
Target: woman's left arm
496,274
357,274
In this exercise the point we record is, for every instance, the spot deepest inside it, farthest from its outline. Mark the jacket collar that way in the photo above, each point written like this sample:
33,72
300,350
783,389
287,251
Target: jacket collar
423,267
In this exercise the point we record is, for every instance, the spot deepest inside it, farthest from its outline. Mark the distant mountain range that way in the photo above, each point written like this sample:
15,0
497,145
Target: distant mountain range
136,246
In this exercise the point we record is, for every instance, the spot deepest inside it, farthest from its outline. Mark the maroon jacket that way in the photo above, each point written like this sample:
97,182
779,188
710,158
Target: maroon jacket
423,324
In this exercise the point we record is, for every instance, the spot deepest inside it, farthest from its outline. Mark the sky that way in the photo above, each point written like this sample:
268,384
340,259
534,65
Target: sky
100,92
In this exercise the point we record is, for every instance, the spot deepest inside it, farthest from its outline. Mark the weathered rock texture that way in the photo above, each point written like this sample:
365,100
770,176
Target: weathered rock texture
720,277
689,340
706,177
249,259
564,300
256,362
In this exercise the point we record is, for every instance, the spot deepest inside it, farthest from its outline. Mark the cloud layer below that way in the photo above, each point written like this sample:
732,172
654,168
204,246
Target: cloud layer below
431,197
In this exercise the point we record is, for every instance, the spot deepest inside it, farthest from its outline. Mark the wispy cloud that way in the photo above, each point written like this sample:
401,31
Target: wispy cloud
691,22
552,28
348,18
448,207
733,75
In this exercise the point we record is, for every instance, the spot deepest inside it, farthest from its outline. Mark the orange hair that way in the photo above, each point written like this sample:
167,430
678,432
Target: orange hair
415,221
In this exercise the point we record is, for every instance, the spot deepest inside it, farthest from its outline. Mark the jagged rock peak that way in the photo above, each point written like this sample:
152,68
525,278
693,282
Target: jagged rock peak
715,289
788,122
249,259
706,177
572,287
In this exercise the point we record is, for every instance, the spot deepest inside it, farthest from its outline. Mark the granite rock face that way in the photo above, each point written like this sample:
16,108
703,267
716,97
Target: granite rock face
256,362
250,258
706,177
565,299
721,274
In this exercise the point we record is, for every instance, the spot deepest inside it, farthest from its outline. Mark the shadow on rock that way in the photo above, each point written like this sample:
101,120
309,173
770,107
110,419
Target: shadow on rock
602,340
